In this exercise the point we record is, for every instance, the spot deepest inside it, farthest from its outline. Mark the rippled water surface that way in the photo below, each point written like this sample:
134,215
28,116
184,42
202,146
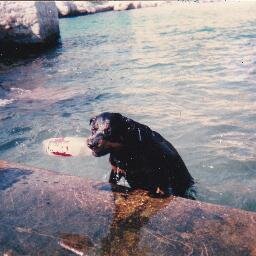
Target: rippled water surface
186,70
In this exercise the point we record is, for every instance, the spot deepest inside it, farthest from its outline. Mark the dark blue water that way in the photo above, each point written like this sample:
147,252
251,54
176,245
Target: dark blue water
186,70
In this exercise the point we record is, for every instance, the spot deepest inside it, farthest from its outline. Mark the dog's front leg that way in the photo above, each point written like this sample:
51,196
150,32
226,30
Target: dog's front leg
115,175
113,179
158,183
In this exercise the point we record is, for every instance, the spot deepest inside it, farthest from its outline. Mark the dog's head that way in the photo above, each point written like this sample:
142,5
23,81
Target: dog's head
106,134
112,131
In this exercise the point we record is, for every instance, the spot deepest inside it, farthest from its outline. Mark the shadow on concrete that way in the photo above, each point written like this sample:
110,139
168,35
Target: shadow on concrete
53,214
132,211
9,177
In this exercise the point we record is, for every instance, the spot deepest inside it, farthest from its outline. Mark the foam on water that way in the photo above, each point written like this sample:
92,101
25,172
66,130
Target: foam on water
4,102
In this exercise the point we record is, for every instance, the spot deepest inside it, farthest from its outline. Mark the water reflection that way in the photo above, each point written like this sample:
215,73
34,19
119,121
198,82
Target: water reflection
132,211
78,244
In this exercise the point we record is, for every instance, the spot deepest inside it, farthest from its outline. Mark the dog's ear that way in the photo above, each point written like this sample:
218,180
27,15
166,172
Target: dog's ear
117,118
92,120
118,123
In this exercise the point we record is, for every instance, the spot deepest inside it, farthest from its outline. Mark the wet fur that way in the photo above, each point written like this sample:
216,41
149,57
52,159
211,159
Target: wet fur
142,156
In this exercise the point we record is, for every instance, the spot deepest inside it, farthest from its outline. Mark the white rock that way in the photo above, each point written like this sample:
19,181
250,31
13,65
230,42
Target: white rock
104,8
127,5
124,5
63,8
28,22
84,7
66,8
72,8
145,4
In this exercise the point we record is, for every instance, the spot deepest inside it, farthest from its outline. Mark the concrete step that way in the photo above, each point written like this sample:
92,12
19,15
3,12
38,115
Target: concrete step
47,213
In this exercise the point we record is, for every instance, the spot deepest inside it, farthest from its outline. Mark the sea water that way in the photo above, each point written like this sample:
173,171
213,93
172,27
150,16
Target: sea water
187,70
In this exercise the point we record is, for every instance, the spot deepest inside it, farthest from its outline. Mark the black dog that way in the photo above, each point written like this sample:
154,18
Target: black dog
142,156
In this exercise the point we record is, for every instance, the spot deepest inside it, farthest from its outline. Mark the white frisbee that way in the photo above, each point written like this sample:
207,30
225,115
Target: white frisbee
67,146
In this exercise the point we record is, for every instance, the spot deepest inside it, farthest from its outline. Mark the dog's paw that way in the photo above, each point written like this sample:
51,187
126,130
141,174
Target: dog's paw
158,193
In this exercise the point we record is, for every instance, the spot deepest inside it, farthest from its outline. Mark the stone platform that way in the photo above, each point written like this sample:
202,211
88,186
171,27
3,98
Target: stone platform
46,213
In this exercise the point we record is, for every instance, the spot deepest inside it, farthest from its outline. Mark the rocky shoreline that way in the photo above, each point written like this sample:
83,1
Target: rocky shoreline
31,26
75,8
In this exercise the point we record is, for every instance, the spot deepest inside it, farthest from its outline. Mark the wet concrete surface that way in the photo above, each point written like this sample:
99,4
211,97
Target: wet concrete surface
46,213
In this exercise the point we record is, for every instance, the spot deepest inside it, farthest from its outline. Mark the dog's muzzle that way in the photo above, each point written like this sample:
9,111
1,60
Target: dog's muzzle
96,144
90,143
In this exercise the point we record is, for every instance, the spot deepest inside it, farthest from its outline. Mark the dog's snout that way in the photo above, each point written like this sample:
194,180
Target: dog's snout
94,142
91,143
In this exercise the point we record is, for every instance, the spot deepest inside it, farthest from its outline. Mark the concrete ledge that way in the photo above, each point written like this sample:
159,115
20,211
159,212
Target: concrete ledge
46,213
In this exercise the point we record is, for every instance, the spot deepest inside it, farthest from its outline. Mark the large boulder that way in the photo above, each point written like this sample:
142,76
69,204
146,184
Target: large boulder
26,23
66,8
124,5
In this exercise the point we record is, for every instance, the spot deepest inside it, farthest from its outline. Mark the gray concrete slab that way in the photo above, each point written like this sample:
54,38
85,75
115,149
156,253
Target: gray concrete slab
46,213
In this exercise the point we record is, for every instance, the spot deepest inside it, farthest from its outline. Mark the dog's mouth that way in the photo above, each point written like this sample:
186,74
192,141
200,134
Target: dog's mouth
102,147
99,151
95,151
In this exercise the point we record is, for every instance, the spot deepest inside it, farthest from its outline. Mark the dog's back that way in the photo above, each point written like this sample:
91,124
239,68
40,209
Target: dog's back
150,159
180,177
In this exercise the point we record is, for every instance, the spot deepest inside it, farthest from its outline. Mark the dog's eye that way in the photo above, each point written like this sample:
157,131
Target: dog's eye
107,131
94,130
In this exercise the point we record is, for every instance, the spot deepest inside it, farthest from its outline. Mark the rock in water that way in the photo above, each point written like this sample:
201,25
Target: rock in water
26,24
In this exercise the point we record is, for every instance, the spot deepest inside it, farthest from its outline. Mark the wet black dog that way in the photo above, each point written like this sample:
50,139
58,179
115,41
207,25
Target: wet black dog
142,156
